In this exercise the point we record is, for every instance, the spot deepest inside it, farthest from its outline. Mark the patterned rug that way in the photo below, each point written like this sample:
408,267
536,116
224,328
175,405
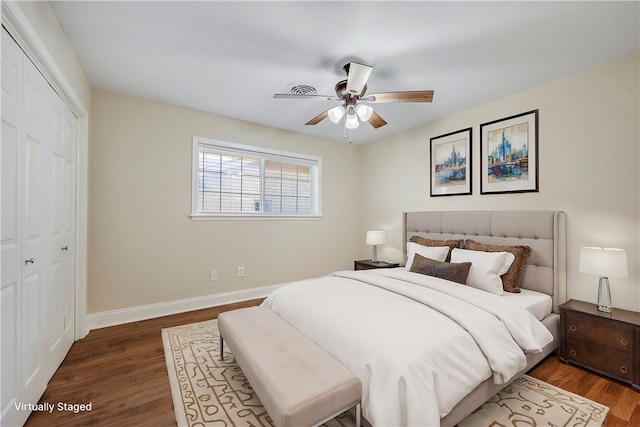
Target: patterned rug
209,392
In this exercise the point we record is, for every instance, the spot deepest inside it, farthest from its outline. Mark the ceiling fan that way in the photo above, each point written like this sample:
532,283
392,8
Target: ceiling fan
352,92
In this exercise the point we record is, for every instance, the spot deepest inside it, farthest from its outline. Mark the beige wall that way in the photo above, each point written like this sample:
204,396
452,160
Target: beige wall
589,142
144,248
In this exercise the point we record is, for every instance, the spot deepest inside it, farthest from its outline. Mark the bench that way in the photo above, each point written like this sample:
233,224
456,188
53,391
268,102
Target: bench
298,383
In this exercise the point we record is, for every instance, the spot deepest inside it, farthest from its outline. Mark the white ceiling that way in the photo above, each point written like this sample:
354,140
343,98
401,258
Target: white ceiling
229,58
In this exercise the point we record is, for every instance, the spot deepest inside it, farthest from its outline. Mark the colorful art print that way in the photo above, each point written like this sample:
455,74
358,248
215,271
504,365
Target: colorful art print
451,163
509,154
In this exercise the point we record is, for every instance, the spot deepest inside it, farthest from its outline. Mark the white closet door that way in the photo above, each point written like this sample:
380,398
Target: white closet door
39,139
11,232
69,224
36,171
60,294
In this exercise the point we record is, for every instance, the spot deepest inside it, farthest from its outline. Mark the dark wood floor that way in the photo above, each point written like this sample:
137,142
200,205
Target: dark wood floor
121,371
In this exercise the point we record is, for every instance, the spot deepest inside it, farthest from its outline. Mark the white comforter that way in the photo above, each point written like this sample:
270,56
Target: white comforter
419,344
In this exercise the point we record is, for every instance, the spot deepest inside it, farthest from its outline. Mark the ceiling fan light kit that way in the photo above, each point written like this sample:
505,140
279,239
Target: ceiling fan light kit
351,122
352,93
336,113
364,112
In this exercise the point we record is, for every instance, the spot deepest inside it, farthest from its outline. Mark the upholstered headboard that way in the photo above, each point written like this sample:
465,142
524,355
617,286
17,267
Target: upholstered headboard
543,231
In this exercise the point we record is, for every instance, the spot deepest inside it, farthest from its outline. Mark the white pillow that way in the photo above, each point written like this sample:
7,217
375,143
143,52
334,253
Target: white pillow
486,268
438,253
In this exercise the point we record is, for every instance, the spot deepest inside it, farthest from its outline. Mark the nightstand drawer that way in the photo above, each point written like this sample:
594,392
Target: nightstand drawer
615,363
604,332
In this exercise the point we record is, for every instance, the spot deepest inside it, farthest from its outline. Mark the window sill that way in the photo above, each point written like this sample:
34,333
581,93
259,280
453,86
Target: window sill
250,217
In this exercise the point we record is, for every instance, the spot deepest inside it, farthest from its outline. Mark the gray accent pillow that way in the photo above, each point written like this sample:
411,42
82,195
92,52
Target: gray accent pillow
454,272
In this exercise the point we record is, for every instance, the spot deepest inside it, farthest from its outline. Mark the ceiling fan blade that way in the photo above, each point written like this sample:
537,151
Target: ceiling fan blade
317,119
376,121
316,97
358,76
406,96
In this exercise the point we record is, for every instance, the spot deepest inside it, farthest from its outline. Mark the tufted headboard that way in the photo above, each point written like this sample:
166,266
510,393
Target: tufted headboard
543,231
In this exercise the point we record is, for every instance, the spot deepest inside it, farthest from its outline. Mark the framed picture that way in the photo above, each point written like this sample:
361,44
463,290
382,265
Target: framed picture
451,163
509,154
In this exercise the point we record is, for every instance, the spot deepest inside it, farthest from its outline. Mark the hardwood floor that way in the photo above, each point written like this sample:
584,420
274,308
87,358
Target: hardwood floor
623,401
121,371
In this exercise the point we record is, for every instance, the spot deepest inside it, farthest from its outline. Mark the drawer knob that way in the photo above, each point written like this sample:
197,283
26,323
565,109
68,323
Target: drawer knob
573,328
623,369
572,352
624,341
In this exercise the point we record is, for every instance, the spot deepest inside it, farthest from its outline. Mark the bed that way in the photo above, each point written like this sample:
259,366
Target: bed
418,366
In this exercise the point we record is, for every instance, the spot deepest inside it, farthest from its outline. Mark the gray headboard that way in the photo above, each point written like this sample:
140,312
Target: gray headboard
543,231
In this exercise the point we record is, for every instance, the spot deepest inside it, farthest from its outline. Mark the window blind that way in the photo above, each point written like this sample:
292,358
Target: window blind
242,180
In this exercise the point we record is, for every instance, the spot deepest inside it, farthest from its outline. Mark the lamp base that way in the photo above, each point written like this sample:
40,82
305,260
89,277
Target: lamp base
375,253
604,295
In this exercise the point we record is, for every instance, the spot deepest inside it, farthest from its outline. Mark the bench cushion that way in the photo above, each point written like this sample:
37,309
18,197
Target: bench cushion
297,381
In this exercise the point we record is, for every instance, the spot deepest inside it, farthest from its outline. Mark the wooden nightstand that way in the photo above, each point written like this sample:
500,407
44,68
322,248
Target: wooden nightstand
608,343
367,264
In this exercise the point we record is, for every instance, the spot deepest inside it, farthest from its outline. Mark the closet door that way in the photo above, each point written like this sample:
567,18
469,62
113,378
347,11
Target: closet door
35,167
10,233
39,139
61,290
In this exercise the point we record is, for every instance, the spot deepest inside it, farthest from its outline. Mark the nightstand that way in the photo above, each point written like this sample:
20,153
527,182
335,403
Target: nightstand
367,264
607,343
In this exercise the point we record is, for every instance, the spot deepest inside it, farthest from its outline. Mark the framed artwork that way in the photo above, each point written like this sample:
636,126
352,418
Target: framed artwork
509,154
451,163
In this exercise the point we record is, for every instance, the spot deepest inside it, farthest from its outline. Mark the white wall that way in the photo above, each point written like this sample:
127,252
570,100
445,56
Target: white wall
589,141
144,248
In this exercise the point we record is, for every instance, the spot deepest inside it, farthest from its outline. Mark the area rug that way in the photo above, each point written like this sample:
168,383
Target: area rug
209,392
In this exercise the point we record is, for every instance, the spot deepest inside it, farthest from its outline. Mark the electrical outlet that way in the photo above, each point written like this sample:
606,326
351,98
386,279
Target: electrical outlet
213,275
240,271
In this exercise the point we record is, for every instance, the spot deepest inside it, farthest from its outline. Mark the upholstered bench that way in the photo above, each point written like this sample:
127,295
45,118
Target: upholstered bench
298,383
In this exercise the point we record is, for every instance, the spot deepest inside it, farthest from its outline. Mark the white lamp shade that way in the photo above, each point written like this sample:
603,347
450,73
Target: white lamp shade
364,112
375,238
351,122
336,113
604,262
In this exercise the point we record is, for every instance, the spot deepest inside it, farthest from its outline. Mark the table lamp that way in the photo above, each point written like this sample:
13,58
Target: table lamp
604,262
375,238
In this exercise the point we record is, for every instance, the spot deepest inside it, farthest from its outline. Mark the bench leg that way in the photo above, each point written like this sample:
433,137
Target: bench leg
330,417
221,348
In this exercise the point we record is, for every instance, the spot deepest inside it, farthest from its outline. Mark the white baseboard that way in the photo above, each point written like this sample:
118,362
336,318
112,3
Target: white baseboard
133,314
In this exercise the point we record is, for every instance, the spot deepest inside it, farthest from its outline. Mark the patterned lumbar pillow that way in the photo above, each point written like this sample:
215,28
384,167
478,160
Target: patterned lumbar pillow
454,272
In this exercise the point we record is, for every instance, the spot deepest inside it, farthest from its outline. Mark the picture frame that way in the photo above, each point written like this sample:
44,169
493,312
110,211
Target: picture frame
509,154
451,163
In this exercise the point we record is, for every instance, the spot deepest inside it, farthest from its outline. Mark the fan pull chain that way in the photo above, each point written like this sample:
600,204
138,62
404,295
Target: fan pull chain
344,131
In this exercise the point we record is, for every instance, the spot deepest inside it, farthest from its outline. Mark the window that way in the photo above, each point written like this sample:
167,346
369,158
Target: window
238,180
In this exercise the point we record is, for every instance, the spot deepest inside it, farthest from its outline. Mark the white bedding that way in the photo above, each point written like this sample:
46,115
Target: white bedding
415,363
537,303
